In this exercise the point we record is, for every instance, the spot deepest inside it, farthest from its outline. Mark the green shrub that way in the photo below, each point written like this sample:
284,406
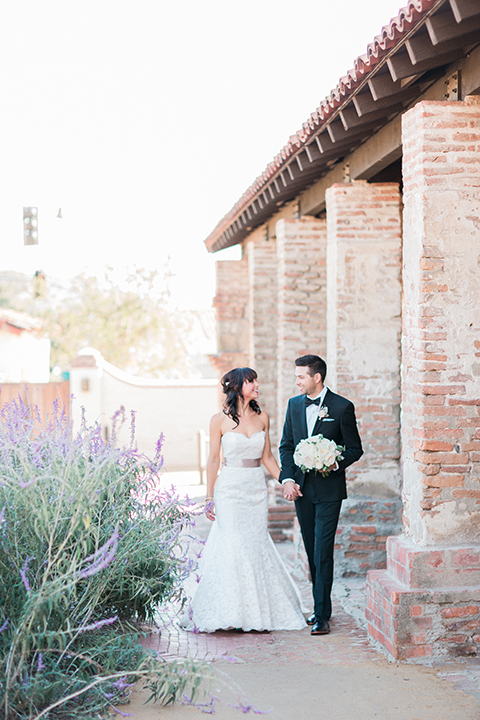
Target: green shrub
89,547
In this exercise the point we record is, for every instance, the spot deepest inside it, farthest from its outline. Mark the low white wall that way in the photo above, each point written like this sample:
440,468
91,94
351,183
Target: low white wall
178,409
24,358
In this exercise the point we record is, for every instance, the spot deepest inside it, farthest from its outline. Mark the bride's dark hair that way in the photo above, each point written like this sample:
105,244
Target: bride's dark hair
232,384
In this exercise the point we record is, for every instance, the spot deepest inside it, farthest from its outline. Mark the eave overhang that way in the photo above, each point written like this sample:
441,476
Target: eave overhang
409,55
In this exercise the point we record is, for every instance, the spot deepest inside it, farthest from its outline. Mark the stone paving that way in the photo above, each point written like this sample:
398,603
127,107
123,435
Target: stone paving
347,643
347,646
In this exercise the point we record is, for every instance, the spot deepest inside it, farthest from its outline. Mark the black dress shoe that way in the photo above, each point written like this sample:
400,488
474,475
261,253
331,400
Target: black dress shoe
320,627
311,619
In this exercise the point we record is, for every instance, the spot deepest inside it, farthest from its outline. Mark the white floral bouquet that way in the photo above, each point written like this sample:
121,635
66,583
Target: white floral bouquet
317,453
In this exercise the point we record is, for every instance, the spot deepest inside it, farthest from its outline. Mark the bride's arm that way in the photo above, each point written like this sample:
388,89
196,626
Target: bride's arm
213,461
267,458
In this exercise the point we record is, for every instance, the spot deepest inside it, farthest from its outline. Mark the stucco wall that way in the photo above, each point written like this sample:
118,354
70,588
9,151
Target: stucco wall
24,358
178,409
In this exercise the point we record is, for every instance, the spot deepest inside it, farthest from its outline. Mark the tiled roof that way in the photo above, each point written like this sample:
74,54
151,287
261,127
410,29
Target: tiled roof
18,321
328,134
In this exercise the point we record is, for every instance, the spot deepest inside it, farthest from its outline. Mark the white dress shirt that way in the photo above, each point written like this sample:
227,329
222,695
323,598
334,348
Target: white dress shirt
312,411
311,417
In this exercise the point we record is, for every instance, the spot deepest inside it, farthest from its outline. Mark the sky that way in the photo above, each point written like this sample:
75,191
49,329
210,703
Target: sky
146,120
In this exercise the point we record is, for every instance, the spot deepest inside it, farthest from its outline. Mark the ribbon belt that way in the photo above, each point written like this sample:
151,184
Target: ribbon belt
242,463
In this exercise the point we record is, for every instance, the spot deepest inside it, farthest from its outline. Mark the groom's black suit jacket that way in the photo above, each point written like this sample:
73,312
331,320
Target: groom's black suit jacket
340,426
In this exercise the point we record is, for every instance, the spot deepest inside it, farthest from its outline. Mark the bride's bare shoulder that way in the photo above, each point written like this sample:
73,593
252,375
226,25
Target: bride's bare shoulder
265,419
217,419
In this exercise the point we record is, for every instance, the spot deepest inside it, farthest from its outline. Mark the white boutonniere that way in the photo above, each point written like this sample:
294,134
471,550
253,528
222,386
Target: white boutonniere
322,412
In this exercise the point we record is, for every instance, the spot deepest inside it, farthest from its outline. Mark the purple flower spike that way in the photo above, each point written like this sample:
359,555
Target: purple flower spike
4,626
99,624
24,485
122,683
125,715
132,428
23,574
40,663
102,557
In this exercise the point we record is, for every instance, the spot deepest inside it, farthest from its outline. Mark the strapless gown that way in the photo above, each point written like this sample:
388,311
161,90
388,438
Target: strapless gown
244,583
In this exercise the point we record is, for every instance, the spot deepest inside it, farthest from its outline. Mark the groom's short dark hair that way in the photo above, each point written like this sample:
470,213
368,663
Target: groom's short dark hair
314,363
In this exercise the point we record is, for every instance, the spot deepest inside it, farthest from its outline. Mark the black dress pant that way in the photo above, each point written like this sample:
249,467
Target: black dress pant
318,524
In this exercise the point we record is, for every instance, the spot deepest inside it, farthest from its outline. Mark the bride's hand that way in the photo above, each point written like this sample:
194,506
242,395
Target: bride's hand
210,509
291,491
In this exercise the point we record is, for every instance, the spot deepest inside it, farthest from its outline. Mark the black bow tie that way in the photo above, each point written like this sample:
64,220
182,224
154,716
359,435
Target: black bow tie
309,401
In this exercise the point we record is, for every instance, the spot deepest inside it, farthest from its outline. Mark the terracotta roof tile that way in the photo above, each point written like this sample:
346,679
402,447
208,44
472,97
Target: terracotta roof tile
390,36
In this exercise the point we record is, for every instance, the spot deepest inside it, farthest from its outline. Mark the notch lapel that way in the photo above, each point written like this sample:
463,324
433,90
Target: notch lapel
318,422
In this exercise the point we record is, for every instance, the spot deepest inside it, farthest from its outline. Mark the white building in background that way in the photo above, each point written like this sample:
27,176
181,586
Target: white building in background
24,354
180,409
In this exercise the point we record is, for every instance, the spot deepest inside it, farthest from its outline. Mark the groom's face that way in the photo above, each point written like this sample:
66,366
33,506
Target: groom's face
308,384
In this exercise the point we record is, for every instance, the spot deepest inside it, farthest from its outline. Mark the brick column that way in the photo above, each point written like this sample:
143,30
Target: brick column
301,250
363,359
231,309
262,262
427,602
364,322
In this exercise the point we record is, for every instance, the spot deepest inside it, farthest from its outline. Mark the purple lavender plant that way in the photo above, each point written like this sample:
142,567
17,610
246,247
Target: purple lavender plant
95,541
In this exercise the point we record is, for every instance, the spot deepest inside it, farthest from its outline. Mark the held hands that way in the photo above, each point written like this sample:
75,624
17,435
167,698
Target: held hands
291,491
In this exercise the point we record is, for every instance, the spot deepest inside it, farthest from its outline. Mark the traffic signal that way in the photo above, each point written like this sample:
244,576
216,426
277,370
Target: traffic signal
30,226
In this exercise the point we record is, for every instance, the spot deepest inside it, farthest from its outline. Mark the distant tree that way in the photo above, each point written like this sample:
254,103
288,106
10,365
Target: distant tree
16,291
127,318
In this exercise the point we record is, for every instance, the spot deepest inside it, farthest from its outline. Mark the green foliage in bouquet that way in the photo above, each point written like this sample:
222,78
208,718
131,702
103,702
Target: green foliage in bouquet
89,547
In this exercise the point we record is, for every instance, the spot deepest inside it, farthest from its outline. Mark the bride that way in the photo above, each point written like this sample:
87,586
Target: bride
244,584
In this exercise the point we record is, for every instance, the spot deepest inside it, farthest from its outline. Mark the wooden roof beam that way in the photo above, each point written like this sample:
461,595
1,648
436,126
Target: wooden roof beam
420,48
441,27
351,119
382,86
464,9
324,142
401,66
290,172
340,136
365,103
312,152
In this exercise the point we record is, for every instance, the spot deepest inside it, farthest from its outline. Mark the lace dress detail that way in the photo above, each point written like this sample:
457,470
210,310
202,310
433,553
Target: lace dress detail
244,583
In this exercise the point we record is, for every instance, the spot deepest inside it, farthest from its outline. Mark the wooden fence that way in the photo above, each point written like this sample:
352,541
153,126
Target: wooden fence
42,395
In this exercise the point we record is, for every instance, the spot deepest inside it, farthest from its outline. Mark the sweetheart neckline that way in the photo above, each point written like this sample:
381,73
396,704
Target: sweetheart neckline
240,433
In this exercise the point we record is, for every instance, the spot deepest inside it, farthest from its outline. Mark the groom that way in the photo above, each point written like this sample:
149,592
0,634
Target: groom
318,499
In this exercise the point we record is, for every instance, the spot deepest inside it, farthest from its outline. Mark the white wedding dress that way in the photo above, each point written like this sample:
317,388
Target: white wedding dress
244,583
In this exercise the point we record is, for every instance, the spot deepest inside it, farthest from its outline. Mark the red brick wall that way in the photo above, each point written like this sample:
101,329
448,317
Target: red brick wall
363,528
262,260
427,602
364,322
418,609
301,298
231,308
441,332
